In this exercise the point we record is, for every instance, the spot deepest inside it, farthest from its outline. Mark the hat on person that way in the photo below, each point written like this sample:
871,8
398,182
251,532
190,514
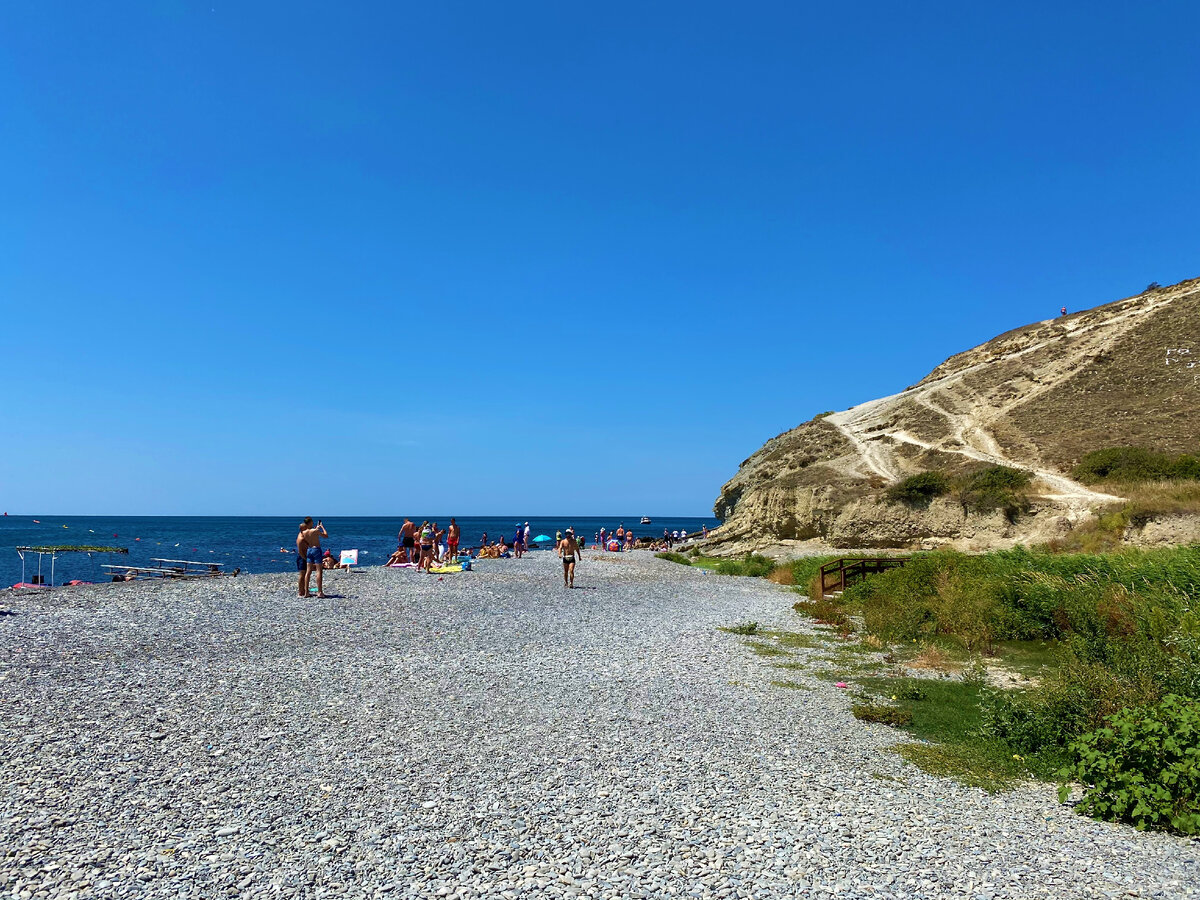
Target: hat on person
328,553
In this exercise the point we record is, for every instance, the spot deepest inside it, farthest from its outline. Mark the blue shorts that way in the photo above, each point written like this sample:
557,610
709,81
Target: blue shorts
313,555
301,563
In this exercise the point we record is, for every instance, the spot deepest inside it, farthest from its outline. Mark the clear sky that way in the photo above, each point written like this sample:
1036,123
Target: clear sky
361,258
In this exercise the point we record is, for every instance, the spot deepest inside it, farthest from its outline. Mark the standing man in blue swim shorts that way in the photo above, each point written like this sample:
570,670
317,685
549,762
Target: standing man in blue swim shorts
302,558
311,536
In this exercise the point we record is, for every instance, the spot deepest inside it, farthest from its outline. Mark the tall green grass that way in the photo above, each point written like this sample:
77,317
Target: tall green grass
1127,626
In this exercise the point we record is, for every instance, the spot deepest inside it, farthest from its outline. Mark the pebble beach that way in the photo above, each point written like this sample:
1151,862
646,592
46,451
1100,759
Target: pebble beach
488,734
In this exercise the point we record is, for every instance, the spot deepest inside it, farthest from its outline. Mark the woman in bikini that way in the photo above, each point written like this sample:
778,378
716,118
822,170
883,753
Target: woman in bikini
426,537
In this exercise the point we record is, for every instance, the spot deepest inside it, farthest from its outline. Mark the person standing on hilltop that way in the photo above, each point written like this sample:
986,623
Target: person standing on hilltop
311,536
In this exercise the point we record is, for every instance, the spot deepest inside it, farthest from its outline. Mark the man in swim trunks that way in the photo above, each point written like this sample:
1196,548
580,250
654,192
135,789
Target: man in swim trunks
407,541
519,541
452,540
568,550
301,559
312,553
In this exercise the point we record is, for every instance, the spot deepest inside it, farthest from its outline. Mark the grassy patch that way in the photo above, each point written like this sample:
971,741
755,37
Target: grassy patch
948,715
750,565
882,713
794,639
761,649
1031,658
966,763
794,666
793,685
1101,633
675,558
746,628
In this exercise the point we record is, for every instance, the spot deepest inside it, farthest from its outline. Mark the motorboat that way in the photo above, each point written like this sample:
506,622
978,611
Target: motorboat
645,520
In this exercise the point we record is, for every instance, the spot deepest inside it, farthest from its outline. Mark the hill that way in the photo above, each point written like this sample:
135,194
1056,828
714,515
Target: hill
1034,399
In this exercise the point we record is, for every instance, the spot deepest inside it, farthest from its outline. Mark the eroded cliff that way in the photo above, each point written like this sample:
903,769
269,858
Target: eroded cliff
1036,398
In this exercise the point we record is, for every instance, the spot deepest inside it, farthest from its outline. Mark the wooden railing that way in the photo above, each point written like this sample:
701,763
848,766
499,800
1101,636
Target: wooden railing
841,573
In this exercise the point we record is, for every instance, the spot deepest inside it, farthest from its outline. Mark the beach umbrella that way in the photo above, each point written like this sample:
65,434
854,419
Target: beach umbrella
542,537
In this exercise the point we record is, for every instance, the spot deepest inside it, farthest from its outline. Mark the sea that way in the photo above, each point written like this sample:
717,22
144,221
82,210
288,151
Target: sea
253,544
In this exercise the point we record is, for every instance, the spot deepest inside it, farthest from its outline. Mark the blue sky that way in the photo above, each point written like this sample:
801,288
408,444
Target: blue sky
261,258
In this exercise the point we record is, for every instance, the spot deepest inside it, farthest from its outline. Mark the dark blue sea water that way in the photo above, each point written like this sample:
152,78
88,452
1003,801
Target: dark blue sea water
251,543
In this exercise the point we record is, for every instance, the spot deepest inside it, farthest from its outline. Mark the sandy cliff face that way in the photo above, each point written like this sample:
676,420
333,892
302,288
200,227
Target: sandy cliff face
1036,398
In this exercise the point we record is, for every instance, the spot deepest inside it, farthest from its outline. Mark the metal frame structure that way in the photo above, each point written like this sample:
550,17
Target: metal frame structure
54,551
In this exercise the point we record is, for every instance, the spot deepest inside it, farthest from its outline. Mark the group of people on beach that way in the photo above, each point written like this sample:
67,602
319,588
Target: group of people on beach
426,544
422,545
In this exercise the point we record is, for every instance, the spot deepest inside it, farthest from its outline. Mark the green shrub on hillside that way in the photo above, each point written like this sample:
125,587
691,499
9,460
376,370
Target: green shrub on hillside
1134,464
675,558
984,490
919,488
1142,767
996,487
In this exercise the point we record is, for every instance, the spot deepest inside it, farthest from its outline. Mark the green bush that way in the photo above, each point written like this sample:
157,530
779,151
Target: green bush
919,488
1133,464
996,487
1142,768
675,558
751,565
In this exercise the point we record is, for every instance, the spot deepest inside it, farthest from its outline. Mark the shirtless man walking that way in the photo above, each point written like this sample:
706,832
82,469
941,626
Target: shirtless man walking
311,536
452,540
568,551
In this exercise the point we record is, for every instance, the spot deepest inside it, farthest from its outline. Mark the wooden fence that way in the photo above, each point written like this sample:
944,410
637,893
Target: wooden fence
839,574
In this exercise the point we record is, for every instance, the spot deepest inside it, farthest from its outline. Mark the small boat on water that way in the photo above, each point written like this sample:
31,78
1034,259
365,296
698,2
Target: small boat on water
645,520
